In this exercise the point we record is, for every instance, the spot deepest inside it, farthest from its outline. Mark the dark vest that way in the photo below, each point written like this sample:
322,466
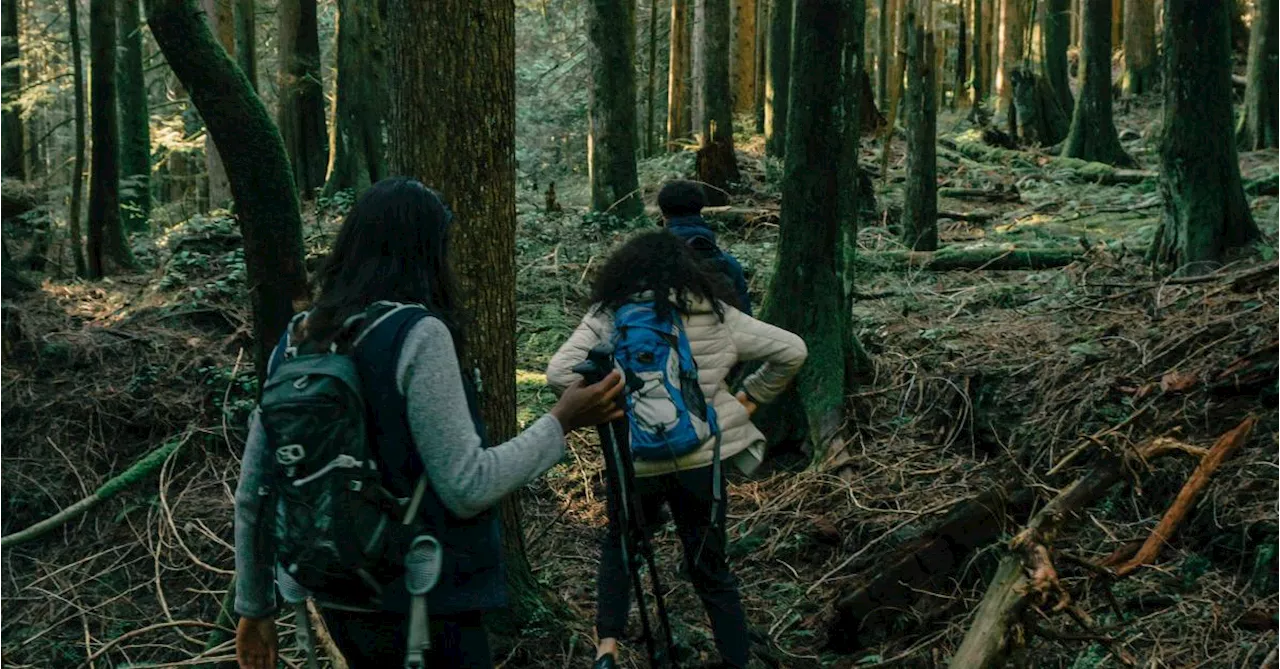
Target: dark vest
472,577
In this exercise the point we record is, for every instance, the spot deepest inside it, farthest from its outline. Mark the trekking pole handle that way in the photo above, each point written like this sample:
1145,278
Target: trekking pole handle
598,364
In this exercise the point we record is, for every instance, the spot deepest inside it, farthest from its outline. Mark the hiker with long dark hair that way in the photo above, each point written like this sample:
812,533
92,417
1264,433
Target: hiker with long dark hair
656,271
386,298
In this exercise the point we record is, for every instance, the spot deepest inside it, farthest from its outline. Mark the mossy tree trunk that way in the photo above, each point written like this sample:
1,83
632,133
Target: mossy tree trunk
1056,29
743,71
246,20
77,169
357,151
107,241
135,122
1140,66
678,74
920,199
452,66
717,163
1257,129
778,84
1093,130
266,204
978,67
220,15
808,293
12,160
611,109
301,115
1205,211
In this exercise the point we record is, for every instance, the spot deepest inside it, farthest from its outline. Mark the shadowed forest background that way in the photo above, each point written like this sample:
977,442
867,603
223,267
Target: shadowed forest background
1031,245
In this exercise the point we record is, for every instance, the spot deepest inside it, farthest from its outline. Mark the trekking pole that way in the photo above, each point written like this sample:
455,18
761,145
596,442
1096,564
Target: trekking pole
635,543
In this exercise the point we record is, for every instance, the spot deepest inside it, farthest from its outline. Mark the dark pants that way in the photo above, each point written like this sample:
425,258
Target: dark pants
377,640
689,496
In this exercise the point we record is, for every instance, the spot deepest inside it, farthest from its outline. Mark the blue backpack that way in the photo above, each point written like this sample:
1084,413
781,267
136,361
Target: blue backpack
667,412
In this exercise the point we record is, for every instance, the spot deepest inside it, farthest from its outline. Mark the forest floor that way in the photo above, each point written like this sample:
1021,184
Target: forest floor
985,380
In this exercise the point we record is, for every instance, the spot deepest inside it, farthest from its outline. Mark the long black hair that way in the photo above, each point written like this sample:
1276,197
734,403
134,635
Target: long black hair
658,262
393,246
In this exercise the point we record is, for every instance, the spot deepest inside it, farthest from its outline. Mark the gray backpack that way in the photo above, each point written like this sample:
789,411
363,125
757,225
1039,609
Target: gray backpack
339,532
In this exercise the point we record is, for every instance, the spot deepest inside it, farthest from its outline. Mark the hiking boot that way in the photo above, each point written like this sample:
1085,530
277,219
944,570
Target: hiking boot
605,662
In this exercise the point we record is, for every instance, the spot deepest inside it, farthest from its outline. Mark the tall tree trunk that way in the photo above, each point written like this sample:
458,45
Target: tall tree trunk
677,79
762,61
1257,128
357,151
717,163
1093,131
301,116
698,67
884,47
13,160
220,15
1056,28
1205,211
961,91
993,50
107,240
77,169
453,65
611,109
1140,64
135,122
1012,32
743,71
246,48
650,91
1117,24
979,62
920,199
261,180
1076,23
777,86
808,294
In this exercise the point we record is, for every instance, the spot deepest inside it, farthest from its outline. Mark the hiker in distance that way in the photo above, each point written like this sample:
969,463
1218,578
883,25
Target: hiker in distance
655,278
681,203
349,469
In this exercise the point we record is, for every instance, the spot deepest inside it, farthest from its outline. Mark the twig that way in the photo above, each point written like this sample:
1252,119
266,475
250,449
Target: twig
144,630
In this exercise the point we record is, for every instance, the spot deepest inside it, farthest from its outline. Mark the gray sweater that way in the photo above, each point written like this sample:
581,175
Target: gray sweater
466,477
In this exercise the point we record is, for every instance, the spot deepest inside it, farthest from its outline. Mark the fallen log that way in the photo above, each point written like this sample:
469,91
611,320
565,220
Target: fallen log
873,609
1222,449
1027,575
140,470
968,216
1072,168
982,258
997,194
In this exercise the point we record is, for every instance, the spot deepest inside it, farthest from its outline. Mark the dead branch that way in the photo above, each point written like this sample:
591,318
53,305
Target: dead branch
1222,449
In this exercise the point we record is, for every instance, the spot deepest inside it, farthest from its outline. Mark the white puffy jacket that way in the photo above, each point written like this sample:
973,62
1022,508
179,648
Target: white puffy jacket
717,346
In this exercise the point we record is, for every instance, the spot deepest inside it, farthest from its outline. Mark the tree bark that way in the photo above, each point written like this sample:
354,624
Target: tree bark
717,163
77,170
960,91
1258,127
777,86
13,162
220,14
107,241
453,65
611,109
1093,131
1012,30
1140,66
762,64
246,47
677,74
743,72
257,166
698,67
1205,211
977,78
808,294
884,47
1117,24
357,151
920,199
301,115
135,122
1056,28
650,91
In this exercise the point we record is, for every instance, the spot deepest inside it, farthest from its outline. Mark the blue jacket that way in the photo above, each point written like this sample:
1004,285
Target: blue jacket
694,228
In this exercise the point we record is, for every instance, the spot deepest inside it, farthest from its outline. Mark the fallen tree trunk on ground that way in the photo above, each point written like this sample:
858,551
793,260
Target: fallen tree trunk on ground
1072,168
1222,449
870,611
1027,574
143,468
993,258
968,216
